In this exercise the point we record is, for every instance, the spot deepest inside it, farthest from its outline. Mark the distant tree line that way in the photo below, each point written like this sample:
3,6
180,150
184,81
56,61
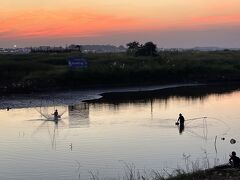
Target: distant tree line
49,49
137,49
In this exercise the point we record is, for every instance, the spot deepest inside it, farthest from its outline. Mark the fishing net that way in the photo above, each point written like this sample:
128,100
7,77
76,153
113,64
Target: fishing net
206,127
48,107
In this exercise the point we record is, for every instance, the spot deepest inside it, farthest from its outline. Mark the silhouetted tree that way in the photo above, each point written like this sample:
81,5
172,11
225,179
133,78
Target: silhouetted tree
133,47
79,47
148,49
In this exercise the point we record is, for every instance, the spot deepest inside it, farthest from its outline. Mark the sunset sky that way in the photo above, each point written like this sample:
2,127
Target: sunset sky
169,23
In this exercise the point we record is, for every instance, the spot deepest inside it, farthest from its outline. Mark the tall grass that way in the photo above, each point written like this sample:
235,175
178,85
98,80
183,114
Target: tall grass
197,170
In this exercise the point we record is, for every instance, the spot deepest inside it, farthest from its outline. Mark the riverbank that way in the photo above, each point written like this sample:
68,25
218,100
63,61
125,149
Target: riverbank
187,91
114,95
39,72
209,174
73,97
216,173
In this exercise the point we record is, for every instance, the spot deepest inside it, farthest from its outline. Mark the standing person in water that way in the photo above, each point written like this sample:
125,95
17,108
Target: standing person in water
181,119
55,114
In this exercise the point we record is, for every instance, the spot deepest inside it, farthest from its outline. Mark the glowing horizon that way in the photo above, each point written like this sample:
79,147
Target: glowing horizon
27,20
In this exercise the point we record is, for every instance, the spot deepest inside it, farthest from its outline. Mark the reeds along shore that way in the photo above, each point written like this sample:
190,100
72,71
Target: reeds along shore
50,70
193,173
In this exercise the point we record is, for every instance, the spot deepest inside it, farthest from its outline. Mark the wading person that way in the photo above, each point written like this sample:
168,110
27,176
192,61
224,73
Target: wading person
180,120
181,128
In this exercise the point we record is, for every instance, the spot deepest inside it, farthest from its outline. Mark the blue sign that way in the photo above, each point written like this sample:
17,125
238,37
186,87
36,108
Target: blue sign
77,63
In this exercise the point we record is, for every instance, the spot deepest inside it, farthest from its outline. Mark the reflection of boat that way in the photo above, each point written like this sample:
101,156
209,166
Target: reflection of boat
51,127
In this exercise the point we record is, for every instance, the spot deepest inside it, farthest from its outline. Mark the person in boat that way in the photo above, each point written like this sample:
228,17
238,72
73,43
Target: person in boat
180,120
56,114
234,160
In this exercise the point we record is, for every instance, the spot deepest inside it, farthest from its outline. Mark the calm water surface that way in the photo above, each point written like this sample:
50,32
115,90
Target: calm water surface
103,137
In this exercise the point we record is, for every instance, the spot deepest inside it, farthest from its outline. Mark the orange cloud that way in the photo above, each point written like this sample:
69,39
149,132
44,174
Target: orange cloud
70,23
42,23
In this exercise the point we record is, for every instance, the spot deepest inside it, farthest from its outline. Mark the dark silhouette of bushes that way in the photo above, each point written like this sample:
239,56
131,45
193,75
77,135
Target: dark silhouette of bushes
49,71
148,49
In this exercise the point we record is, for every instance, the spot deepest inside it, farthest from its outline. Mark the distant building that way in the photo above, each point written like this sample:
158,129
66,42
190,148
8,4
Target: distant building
48,49
102,49
79,48
15,50
77,63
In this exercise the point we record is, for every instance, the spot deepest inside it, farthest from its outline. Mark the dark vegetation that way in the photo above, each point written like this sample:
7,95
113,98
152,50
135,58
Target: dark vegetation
45,71
131,173
209,174
147,49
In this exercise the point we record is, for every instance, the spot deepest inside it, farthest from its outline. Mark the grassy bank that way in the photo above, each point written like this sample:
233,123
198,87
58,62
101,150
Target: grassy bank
131,173
50,71
212,174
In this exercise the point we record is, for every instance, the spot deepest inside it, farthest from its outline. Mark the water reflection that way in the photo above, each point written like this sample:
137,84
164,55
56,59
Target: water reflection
51,130
79,115
52,135
191,94
139,129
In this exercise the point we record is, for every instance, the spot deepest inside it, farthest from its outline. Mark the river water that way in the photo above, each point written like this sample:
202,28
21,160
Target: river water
105,137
